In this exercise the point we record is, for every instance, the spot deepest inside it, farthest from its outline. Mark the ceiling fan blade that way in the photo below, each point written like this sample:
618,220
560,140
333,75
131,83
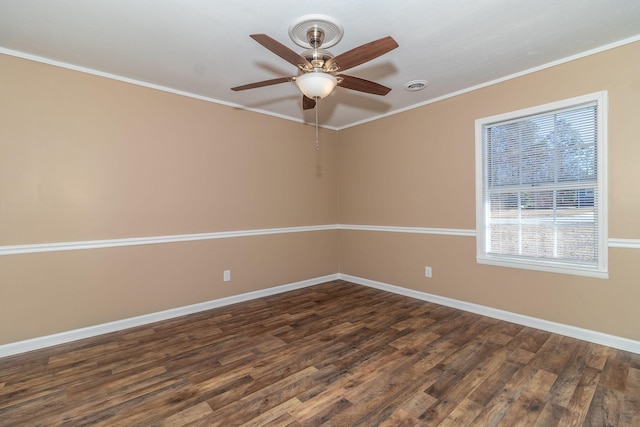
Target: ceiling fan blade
308,103
263,83
281,50
362,85
363,53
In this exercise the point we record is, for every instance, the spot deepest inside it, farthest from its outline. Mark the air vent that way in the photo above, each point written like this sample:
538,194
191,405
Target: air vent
415,85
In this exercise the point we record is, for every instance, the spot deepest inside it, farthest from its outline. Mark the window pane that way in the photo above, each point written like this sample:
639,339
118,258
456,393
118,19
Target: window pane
538,240
538,164
577,241
548,224
545,149
504,158
504,205
505,239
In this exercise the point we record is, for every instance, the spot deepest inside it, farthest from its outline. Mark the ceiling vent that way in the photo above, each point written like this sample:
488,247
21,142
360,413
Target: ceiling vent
415,85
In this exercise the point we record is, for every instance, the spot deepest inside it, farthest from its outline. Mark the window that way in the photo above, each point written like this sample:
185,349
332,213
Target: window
541,187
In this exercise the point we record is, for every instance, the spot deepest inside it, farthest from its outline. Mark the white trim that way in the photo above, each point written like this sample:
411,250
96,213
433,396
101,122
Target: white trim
413,230
60,64
153,240
176,238
499,80
549,267
167,89
545,325
624,243
92,331
482,206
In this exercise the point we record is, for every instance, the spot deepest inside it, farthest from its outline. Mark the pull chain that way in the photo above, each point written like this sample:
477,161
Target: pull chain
317,143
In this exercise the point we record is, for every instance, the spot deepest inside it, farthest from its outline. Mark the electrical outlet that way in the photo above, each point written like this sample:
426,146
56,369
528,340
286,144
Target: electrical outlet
427,271
226,275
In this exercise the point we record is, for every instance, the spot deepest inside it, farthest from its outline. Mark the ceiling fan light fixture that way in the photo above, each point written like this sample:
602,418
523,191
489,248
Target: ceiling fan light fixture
317,84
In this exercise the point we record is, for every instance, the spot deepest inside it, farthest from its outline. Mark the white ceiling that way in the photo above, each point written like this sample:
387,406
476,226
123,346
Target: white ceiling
203,48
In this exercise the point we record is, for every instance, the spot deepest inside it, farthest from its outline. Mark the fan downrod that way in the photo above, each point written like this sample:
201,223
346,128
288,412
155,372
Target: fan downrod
315,36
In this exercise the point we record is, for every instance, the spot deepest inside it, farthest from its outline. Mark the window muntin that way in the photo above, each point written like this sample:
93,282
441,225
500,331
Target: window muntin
541,200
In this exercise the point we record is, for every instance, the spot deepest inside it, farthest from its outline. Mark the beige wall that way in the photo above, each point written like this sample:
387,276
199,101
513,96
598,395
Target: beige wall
88,158
417,169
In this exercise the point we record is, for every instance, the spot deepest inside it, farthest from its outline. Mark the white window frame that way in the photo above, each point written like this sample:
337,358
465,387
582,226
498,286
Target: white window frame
482,225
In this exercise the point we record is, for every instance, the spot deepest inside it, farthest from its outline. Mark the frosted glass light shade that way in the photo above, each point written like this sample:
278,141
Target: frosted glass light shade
316,84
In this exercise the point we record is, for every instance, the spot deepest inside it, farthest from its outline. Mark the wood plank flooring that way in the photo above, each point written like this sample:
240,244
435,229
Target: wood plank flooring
335,354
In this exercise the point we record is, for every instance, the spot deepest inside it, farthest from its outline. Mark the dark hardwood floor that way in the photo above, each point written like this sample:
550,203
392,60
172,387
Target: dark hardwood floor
335,354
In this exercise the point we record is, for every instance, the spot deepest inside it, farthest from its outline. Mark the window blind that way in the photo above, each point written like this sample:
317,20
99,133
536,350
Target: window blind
541,186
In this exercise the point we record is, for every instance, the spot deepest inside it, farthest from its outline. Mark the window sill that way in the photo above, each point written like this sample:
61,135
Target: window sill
551,267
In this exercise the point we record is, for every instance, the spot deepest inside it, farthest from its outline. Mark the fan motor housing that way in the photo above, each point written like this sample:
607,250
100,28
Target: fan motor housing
332,30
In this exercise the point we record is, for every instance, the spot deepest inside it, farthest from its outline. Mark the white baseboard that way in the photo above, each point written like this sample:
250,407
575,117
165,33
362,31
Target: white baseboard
545,325
92,331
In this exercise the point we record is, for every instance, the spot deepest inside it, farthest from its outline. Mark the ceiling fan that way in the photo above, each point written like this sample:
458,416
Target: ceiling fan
317,67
